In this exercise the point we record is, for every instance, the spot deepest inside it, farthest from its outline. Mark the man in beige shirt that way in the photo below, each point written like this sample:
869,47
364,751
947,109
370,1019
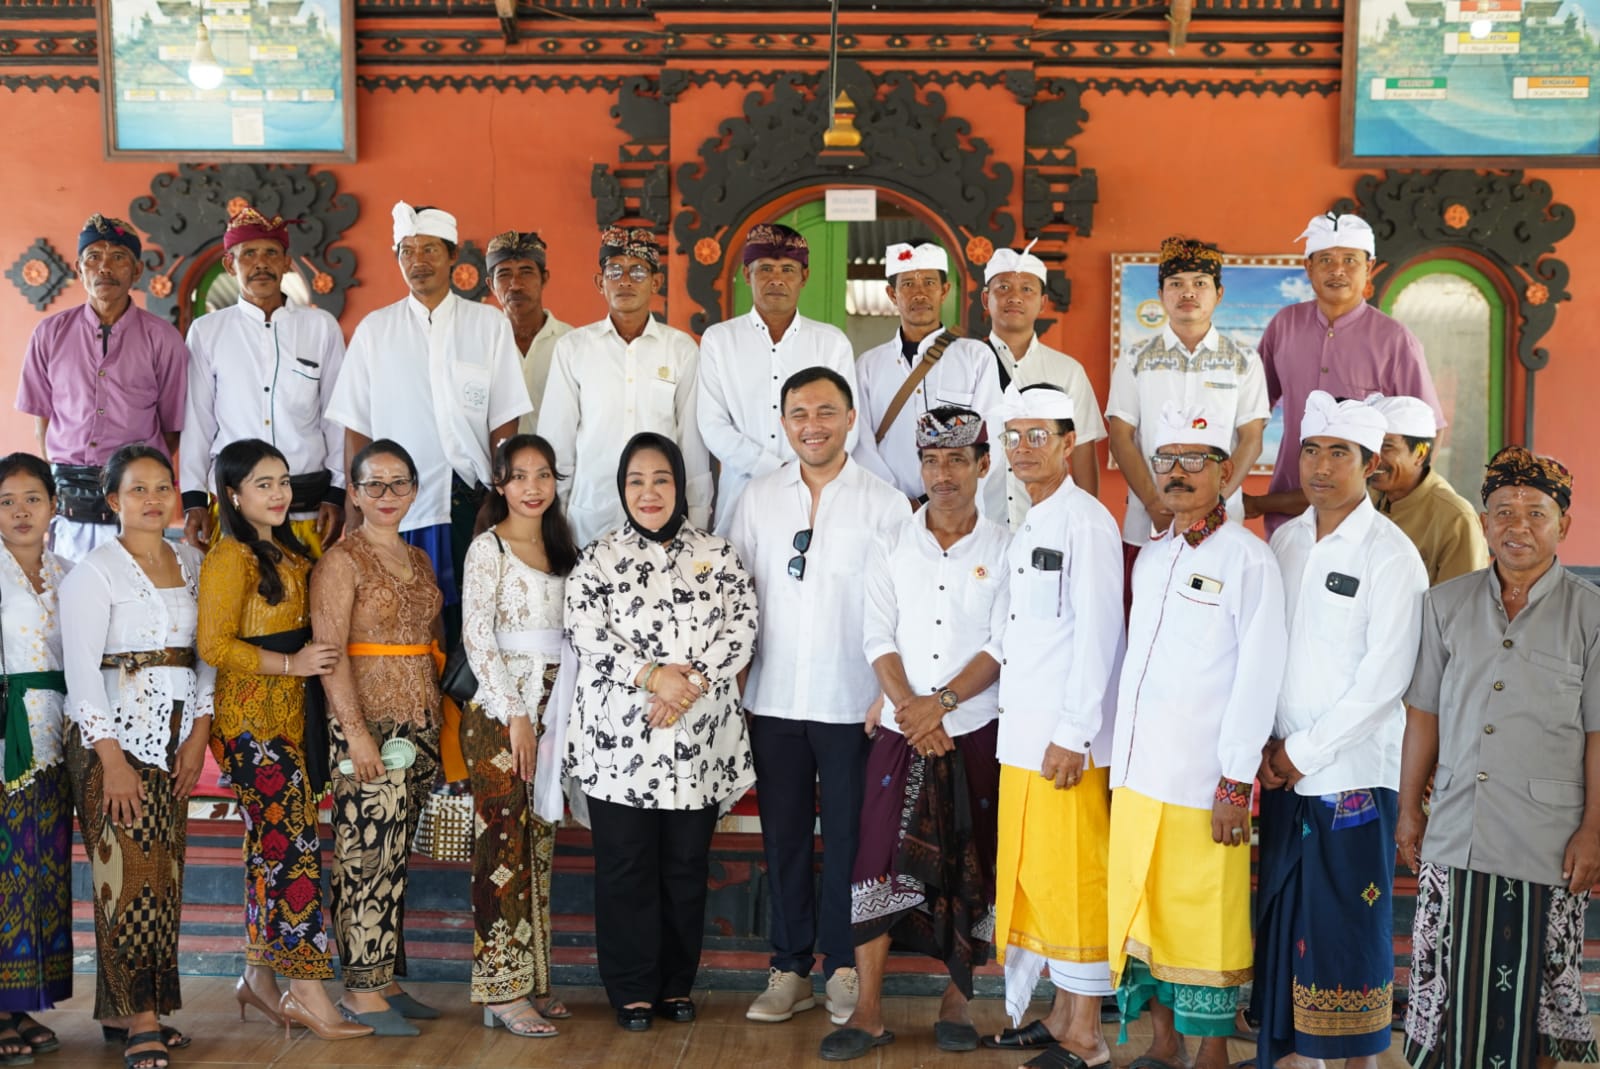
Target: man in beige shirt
516,264
1443,525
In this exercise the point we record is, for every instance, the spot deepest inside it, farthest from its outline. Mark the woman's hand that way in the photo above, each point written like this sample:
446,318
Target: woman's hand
191,759
364,755
122,788
524,747
673,686
314,659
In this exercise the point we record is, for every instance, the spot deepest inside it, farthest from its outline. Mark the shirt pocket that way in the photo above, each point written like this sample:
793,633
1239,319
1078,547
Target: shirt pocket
957,397
1040,592
1554,686
472,386
303,382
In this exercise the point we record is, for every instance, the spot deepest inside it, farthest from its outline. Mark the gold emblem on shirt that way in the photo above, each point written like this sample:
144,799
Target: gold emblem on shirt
702,568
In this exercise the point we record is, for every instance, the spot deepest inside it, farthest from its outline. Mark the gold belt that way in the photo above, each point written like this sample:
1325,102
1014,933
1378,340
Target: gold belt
167,657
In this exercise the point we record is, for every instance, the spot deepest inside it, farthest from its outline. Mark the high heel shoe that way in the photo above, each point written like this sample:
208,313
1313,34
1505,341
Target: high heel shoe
293,1012
245,995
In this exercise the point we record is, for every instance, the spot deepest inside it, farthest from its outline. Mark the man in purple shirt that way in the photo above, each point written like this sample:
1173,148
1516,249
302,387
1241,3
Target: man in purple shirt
98,377
1338,343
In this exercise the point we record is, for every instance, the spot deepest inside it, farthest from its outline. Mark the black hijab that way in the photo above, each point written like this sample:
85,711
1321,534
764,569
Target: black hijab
680,507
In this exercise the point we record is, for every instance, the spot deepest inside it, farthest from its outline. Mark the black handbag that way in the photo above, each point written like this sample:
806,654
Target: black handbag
457,681
319,773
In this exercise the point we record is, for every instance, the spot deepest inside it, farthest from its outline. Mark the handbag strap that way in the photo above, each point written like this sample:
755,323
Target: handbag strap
913,380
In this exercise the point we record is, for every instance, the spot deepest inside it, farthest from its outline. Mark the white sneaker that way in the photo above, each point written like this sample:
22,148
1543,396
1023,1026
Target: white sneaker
843,988
786,995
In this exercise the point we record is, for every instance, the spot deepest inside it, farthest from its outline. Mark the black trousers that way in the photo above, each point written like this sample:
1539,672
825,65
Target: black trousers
790,757
650,873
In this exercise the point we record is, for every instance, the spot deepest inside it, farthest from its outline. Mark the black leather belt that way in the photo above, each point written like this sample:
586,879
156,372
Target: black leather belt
78,496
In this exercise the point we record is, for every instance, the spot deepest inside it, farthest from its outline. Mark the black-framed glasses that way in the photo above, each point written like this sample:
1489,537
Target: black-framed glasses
376,488
637,272
797,563
1035,436
1193,463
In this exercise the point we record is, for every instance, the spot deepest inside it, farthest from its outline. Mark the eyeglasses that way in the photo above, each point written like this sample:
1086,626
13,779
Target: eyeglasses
797,564
637,272
1036,436
376,488
1193,463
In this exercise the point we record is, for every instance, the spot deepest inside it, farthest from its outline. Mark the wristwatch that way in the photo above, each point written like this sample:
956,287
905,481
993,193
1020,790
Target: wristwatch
948,700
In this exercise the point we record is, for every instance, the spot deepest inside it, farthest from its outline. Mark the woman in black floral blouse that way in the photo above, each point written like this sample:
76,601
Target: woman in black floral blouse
663,619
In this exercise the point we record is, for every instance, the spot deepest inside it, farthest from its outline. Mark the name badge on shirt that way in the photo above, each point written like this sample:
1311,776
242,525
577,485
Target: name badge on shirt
664,374
1205,584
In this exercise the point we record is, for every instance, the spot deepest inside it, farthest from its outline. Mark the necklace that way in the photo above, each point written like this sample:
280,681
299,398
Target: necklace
396,554
147,559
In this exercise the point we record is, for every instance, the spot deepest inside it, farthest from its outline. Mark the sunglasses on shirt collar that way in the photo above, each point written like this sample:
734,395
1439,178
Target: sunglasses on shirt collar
797,564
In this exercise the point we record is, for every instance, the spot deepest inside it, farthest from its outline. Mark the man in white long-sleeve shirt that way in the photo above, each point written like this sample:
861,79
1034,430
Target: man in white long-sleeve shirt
1353,585
264,368
1062,646
628,373
1198,690
744,363
940,367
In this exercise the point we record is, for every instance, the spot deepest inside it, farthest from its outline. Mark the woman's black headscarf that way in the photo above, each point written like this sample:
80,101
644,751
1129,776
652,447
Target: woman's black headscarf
680,507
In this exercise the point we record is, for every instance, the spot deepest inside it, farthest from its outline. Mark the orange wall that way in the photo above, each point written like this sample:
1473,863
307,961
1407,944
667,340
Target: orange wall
1243,172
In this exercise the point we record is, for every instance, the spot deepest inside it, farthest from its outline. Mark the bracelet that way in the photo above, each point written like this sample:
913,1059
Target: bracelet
654,668
1234,793
286,664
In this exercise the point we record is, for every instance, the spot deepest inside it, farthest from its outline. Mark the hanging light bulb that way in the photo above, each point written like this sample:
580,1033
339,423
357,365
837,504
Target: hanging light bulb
204,70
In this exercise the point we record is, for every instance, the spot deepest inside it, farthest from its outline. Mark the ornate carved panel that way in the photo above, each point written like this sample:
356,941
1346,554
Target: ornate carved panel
1509,221
40,273
187,211
910,145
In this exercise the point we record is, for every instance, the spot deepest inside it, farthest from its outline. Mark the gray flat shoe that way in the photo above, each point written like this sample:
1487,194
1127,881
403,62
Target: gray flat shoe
955,1037
389,1022
848,1044
410,1008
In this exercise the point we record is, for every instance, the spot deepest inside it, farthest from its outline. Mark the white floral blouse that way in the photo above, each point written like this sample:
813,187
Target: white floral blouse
504,599
30,627
109,605
631,601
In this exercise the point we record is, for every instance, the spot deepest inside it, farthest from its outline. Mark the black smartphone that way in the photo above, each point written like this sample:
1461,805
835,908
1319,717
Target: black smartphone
1047,560
1341,584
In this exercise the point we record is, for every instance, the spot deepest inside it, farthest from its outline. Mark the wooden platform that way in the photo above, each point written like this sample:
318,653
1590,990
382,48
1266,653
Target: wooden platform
720,1039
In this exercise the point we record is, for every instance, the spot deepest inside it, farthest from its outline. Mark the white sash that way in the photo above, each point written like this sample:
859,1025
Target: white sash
549,785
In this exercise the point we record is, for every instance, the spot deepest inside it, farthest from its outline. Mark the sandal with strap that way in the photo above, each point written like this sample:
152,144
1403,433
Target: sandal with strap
553,1009
174,1039
145,1059
520,1019
36,1035
18,1054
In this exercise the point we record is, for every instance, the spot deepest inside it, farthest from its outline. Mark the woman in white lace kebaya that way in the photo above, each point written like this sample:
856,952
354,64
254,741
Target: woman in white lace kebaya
662,617
140,704
511,625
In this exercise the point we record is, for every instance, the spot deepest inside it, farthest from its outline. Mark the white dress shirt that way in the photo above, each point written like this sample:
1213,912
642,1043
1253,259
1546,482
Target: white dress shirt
1205,657
1341,713
602,391
965,376
938,609
436,382
536,366
739,404
1043,364
1063,640
254,377
109,605
1219,375
808,663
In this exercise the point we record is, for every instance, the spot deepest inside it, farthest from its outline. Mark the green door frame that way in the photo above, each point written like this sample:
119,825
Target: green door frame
1496,424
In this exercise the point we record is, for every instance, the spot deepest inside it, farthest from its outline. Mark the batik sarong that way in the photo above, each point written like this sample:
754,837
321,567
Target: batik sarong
924,865
1324,964
511,862
1496,973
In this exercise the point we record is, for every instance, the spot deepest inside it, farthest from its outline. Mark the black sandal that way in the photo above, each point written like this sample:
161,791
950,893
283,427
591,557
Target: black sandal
20,1055
146,1059
174,1039
35,1035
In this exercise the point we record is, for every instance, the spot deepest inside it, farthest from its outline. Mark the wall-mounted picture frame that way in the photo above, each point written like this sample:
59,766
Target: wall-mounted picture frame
1471,83
1254,289
228,81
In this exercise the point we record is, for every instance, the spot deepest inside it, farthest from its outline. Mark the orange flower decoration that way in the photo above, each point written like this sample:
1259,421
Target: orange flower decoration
322,282
1456,216
979,250
1537,293
237,205
464,277
161,286
34,272
708,251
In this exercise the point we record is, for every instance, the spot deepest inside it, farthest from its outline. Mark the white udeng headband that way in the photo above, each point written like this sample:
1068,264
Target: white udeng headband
430,222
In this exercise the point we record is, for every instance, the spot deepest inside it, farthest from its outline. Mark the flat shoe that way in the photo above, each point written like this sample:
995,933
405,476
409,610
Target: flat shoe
1029,1037
848,1044
387,1022
678,1010
635,1018
410,1008
955,1037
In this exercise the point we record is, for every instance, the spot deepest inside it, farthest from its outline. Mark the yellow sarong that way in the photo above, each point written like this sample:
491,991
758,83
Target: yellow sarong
1177,901
1050,872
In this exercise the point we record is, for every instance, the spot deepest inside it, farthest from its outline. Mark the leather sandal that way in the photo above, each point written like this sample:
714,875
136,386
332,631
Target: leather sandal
146,1059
